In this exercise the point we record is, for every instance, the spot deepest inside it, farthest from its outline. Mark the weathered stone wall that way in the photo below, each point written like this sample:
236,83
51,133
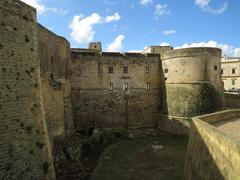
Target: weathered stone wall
192,81
54,54
95,106
24,144
212,154
232,100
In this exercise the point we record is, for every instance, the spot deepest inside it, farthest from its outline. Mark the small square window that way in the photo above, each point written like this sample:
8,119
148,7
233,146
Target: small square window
147,86
166,70
110,86
125,69
110,70
125,86
146,70
215,68
233,71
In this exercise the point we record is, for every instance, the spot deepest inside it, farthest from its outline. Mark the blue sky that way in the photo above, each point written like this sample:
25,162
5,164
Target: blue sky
127,25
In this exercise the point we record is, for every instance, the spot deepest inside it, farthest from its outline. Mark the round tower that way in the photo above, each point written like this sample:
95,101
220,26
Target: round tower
191,81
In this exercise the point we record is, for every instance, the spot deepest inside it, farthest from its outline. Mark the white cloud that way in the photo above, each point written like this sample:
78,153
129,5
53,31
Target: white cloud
164,44
36,4
226,49
82,28
204,5
117,44
161,10
115,17
169,32
146,2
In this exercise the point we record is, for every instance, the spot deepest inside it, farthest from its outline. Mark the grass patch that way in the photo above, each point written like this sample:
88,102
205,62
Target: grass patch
135,159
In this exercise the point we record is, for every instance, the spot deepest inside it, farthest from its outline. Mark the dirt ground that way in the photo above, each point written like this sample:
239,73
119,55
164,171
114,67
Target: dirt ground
144,159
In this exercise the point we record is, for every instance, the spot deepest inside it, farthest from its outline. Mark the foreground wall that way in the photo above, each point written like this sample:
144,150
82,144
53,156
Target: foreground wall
212,154
95,106
25,152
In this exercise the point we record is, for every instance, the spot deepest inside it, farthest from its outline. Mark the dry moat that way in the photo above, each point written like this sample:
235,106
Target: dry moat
160,157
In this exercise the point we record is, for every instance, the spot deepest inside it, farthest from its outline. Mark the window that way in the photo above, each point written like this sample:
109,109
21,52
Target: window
110,70
110,86
222,71
147,86
233,71
125,86
215,68
165,78
166,70
125,69
233,81
146,70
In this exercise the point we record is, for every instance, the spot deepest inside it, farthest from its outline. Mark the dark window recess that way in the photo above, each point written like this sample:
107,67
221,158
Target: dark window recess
166,70
233,71
221,71
51,59
125,69
165,78
110,70
215,68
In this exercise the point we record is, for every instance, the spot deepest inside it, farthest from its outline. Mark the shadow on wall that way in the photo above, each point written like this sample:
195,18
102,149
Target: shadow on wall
209,154
163,108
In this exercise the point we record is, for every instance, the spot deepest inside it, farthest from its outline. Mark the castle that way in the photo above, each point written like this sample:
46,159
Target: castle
48,90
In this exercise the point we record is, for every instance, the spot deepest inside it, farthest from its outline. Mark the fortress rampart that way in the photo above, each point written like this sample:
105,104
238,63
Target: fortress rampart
191,77
25,152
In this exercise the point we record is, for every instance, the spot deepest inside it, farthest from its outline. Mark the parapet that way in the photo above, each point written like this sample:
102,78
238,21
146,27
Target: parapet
191,52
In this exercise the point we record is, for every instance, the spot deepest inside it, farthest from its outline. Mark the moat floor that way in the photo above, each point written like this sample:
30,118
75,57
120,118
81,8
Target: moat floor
144,159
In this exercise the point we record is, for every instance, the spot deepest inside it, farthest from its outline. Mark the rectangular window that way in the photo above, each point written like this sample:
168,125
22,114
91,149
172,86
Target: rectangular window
147,86
110,70
125,86
233,71
222,71
166,70
215,68
110,86
125,69
146,70
233,81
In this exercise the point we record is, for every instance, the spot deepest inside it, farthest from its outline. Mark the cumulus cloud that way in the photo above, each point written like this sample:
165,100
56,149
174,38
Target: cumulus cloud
169,32
36,4
161,10
226,49
117,44
115,17
82,27
146,2
204,5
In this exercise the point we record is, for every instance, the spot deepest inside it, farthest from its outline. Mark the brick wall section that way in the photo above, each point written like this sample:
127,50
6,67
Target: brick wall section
95,106
23,144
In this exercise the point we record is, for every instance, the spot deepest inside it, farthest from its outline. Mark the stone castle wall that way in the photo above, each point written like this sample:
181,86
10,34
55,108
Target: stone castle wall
95,106
54,54
192,81
25,150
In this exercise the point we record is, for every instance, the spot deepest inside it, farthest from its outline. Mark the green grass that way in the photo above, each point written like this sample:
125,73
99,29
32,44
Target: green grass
135,160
